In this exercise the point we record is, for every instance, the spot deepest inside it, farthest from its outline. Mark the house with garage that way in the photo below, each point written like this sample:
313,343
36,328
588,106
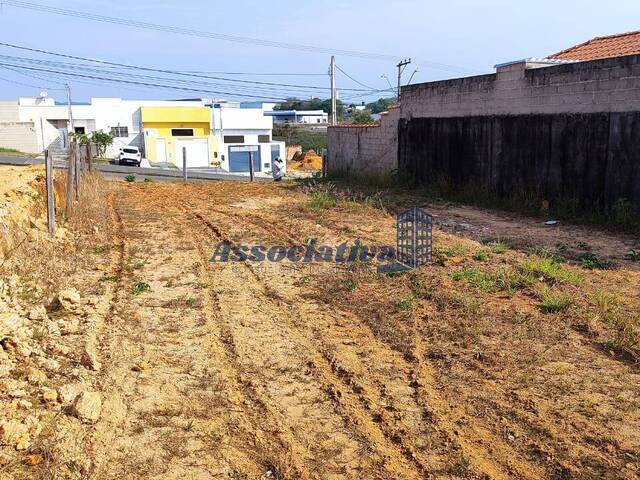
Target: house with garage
170,132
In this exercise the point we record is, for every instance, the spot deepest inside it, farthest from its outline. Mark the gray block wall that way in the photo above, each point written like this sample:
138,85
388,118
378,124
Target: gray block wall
366,149
524,88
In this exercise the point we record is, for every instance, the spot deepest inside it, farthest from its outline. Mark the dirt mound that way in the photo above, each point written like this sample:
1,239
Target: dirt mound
307,161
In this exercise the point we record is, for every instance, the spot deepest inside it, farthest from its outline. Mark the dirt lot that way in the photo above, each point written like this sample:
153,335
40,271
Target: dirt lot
501,360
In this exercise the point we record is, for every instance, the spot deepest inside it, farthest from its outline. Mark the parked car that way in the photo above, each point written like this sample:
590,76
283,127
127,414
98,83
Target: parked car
130,156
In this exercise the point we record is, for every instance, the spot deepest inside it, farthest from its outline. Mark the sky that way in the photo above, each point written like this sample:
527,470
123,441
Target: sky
445,40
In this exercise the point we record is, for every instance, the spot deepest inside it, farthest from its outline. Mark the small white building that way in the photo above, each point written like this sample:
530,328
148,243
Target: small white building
307,117
243,133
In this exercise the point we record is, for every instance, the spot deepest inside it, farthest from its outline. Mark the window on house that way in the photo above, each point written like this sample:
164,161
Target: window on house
79,130
264,138
182,132
119,132
234,139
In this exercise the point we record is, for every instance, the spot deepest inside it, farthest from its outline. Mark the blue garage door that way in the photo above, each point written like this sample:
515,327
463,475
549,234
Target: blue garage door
239,158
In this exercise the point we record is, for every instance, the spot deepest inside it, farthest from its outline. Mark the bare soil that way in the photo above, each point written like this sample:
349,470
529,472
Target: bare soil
262,370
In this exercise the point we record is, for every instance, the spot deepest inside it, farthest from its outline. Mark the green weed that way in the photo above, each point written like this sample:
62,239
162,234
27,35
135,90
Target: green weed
549,269
130,178
481,256
554,302
498,248
141,287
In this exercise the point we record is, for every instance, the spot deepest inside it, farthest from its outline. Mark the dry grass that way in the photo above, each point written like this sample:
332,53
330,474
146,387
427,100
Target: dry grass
39,265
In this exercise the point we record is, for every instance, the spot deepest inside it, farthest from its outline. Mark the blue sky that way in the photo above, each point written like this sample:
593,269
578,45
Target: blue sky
467,36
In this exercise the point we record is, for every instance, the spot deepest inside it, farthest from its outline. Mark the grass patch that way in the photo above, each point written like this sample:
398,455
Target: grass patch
320,201
481,256
109,278
100,249
590,261
549,269
554,302
498,248
482,280
140,288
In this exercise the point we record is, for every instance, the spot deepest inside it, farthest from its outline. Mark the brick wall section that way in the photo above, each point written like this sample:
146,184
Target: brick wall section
365,149
19,136
524,88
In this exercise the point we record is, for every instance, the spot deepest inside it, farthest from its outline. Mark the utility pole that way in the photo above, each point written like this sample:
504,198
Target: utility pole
401,67
334,93
68,88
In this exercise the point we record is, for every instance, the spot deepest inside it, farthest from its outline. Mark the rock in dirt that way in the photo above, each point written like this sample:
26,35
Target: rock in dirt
68,393
68,299
37,313
87,407
10,322
36,376
49,395
14,434
90,358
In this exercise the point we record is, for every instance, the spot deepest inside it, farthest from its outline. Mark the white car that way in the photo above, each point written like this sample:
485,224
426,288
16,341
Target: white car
130,156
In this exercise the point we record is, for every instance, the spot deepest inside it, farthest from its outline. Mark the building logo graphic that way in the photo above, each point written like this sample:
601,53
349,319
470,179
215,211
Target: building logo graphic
414,232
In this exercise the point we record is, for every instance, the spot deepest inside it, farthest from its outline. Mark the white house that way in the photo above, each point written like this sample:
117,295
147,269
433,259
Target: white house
243,133
313,117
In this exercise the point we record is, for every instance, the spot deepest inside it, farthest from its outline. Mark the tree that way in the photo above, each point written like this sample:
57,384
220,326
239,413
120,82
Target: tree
102,141
381,105
361,117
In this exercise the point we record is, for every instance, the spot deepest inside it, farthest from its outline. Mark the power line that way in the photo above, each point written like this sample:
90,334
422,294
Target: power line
356,81
48,80
159,70
197,33
90,69
22,84
131,82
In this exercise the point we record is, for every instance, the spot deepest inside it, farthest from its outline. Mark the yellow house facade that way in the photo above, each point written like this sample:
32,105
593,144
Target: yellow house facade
170,132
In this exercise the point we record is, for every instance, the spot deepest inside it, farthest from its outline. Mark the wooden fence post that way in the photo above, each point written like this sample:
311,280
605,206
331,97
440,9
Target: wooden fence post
89,157
71,182
78,175
51,198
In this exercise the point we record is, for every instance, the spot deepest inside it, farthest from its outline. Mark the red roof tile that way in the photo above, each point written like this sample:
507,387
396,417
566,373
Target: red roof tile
603,47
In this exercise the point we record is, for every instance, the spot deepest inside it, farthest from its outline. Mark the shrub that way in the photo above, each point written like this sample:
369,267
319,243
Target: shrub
130,178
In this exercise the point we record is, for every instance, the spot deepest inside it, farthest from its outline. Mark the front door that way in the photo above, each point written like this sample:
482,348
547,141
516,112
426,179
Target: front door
161,150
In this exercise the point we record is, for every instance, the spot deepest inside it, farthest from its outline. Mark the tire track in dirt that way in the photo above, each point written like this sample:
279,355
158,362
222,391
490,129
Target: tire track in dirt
478,444
287,457
170,417
395,459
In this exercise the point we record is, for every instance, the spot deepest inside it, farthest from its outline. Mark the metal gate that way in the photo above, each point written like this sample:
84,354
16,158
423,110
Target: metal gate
414,237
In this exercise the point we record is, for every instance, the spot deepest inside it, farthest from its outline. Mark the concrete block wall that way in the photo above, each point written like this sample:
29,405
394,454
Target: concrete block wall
19,136
365,148
531,87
